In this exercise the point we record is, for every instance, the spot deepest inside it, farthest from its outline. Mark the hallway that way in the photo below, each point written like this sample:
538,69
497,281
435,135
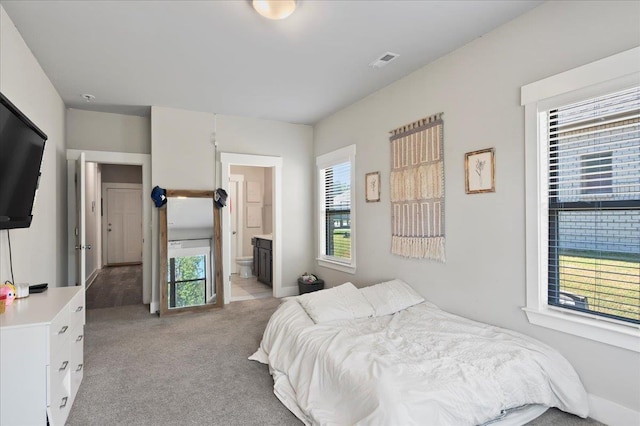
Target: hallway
116,286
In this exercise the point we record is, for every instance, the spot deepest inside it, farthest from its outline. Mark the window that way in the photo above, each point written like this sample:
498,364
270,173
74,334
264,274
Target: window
336,212
188,276
593,166
582,150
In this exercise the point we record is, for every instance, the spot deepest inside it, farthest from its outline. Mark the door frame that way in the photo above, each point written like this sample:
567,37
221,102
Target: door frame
227,160
238,206
105,205
77,185
106,157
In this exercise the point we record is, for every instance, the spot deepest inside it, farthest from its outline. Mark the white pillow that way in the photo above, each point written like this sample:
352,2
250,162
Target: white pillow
391,296
341,302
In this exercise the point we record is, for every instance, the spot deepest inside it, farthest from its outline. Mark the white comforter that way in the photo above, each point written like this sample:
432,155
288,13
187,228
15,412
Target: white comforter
419,366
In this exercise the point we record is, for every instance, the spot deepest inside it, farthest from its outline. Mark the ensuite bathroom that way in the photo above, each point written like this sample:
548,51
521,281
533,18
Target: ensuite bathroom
251,231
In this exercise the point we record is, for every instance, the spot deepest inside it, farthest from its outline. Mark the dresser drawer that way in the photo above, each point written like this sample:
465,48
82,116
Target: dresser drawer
60,361
59,330
77,361
59,401
77,309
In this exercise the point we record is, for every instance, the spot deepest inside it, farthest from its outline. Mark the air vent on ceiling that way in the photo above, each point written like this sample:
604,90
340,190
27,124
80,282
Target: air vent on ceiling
383,60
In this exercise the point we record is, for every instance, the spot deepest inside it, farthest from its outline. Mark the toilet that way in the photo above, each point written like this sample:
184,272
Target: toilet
245,263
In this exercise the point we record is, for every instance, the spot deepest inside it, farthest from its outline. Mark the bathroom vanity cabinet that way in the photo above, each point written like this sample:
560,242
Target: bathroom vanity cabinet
262,260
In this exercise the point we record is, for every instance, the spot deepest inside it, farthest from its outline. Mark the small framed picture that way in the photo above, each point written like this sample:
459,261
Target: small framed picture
479,167
253,192
372,190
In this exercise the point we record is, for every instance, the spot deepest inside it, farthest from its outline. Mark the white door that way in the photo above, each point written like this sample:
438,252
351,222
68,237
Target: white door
235,215
80,231
124,226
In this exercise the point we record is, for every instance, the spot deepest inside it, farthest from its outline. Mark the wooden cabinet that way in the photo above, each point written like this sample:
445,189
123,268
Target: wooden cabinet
262,260
41,356
256,257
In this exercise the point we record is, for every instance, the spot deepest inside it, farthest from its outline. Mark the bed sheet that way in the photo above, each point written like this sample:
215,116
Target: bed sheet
419,365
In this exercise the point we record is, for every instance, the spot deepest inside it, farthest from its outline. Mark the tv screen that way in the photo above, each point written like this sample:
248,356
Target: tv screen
21,151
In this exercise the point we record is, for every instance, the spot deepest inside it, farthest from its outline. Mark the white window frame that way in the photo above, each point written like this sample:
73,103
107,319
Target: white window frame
607,75
342,155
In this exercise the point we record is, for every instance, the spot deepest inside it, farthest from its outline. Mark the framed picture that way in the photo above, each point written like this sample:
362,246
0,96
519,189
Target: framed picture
253,192
372,189
479,167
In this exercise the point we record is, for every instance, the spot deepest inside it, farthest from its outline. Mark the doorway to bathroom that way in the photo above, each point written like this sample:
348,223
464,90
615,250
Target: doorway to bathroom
251,218
254,214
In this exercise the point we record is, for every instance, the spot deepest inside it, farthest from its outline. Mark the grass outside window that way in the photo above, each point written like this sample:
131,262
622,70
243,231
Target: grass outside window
611,285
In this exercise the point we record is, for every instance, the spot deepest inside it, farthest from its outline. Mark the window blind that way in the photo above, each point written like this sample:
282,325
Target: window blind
594,206
337,210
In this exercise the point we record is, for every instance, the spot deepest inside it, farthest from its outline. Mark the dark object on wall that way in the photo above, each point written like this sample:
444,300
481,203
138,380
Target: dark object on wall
21,151
308,287
159,196
220,198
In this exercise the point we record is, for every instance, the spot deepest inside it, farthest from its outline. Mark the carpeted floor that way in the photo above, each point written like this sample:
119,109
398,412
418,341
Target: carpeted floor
188,369
116,286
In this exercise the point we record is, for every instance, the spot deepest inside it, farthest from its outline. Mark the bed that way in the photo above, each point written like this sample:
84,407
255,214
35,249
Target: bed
382,355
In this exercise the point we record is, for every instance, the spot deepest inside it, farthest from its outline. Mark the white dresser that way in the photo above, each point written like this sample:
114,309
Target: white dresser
41,357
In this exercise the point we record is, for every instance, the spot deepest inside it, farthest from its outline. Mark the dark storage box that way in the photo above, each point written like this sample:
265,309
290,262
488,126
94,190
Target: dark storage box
306,287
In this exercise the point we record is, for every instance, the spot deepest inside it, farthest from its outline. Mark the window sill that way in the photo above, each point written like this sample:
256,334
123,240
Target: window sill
338,266
627,337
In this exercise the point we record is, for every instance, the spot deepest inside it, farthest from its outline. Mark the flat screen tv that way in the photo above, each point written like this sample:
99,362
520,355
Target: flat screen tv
21,151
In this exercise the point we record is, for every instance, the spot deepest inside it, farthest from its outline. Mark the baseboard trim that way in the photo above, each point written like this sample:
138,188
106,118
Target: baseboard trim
91,279
287,292
612,413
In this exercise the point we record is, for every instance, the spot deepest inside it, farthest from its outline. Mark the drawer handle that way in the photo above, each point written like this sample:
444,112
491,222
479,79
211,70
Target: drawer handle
80,337
79,308
63,329
64,402
79,367
64,365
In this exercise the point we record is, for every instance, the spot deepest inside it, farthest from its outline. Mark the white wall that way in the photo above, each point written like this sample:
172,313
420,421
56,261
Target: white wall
182,158
114,133
293,143
101,131
478,89
39,252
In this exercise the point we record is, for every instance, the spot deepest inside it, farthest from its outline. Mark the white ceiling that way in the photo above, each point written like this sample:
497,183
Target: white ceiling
222,57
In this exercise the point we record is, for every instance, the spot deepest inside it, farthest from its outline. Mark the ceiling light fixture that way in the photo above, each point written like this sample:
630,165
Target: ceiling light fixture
275,9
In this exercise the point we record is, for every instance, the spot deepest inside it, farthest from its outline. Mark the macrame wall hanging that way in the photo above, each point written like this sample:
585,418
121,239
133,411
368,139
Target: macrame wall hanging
417,189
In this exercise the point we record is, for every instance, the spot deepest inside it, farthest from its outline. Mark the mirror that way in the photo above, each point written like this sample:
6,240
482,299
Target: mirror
190,257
